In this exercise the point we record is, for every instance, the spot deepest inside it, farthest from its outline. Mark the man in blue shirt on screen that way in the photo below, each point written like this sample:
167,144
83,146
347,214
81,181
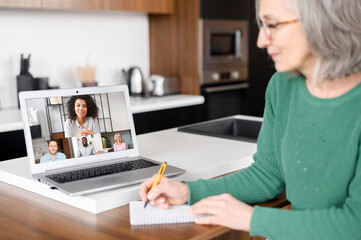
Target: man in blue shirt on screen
53,154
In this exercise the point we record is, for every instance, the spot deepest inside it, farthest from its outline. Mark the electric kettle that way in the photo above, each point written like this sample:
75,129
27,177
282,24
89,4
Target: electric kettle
137,83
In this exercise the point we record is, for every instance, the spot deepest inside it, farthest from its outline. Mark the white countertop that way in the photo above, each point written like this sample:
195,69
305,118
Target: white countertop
140,105
10,120
201,157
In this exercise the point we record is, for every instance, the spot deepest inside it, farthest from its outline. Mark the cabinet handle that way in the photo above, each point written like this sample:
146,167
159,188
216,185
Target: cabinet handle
226,88
237,42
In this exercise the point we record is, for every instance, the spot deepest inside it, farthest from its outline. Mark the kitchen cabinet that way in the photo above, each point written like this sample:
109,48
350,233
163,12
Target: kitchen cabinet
12,145
148,6
163,119
72,4
20,3
173,41
121,5
156,6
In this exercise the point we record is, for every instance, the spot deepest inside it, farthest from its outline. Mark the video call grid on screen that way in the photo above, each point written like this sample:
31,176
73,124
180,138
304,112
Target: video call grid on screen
109,131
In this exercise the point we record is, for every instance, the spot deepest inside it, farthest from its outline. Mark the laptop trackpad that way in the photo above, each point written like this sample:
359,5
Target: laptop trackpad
110,180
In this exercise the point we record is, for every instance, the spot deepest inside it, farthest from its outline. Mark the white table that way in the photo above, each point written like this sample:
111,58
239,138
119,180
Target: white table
201,157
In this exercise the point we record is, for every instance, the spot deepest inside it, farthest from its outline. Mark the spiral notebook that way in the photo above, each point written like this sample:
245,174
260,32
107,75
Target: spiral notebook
153,215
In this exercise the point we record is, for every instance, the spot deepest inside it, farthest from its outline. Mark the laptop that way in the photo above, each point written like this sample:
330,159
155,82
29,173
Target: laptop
83,140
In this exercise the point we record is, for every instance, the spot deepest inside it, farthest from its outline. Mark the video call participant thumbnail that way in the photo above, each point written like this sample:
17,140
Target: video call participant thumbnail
82,120
118,143
85,149
53,154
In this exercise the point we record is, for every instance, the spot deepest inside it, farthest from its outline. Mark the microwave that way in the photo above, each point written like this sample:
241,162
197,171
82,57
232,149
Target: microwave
223,46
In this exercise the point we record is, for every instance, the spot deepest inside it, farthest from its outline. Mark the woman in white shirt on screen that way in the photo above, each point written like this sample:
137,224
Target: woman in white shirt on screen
82,117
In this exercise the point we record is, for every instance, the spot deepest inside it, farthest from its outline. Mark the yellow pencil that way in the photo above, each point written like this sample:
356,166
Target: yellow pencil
156,181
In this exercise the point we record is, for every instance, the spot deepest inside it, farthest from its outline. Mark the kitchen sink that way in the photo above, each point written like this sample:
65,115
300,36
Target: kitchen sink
230,128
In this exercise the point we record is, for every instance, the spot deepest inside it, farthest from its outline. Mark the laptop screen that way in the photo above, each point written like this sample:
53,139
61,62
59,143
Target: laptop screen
67,127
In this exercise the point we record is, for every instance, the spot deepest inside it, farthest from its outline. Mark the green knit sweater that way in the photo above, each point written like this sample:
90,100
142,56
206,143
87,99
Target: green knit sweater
310,147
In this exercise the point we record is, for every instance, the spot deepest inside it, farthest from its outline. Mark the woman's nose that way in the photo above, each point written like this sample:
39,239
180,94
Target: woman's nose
263,41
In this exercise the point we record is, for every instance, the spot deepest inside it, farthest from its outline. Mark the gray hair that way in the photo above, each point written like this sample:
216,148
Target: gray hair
333,31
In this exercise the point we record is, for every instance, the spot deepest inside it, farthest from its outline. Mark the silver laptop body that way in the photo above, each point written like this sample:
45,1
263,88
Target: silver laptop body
89,165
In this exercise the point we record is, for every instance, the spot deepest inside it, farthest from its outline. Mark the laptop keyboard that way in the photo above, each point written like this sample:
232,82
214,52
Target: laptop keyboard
100,171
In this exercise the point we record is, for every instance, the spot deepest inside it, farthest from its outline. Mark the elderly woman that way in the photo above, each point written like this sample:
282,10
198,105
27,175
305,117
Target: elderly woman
310,140
82,116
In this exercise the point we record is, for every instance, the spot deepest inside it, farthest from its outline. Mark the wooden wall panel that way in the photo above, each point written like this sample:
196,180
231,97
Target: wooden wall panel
188,16
123,5
156,6
73,4
174,44
20,3
149,6
163,40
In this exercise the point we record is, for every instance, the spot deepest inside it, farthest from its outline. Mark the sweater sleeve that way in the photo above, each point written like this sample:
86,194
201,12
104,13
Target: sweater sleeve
342,222
259,182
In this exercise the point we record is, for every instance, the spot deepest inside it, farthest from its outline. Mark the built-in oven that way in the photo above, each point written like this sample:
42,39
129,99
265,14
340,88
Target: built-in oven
223,51
223,66
225,100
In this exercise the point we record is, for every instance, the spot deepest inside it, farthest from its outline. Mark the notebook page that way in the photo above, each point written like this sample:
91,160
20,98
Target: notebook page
153,215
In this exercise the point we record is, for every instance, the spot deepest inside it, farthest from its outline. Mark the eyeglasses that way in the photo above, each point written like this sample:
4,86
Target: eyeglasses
269,27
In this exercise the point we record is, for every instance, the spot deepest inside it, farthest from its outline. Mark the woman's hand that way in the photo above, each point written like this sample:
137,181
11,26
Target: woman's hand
225,210
166,193
85,132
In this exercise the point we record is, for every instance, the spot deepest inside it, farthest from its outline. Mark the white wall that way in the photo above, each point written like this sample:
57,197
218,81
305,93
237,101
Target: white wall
58,41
